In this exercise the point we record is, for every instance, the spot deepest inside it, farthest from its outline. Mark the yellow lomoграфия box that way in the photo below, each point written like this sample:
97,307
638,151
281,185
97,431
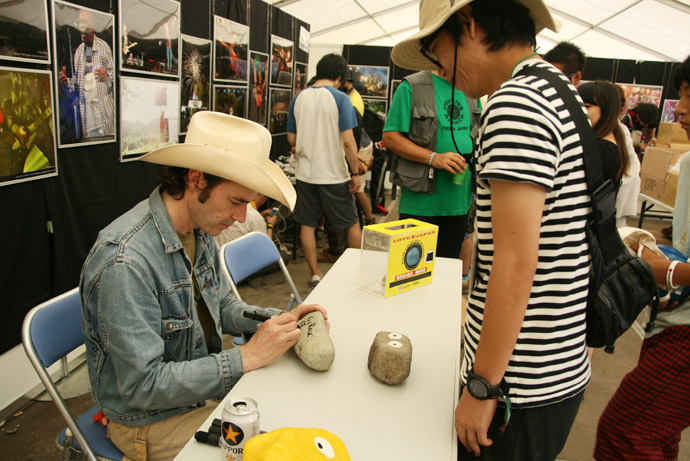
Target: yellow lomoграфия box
397,256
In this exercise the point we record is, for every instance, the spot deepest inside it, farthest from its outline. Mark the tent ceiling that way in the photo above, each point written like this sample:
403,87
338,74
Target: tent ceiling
655,30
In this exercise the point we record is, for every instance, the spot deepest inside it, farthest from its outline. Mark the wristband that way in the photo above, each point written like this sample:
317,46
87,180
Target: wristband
269,225
669,276
431,158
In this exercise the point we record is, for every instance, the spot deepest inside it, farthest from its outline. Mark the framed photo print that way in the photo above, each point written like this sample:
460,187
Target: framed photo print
281,61
669,113
149,115
641,93
371,81
85,78
380,106
300,82
27,142
231,48
258,80
230,100
394,86
280,104
24,26
195,88
150,36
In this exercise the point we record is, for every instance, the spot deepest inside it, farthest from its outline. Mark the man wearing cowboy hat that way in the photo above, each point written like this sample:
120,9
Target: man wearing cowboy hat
155,301
525,324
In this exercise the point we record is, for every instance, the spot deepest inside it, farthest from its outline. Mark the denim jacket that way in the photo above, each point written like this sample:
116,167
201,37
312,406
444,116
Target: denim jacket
145,348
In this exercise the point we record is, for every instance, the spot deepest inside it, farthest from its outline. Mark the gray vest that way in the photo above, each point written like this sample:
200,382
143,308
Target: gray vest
416,176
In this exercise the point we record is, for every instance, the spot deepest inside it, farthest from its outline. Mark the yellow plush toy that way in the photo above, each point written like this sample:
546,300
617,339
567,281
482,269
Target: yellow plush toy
296,444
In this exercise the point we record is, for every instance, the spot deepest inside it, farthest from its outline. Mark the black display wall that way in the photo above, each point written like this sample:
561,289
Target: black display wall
616,70
49,225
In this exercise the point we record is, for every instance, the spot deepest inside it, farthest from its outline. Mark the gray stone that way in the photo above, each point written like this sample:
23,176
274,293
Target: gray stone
315,347
390,357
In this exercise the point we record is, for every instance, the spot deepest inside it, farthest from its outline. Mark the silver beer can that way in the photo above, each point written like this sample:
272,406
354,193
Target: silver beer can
240,422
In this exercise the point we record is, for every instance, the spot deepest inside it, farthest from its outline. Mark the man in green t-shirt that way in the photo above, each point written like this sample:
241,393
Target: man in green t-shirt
447,207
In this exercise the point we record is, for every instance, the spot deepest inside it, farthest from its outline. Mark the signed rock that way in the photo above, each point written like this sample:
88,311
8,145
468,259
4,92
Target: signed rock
390,357
315,347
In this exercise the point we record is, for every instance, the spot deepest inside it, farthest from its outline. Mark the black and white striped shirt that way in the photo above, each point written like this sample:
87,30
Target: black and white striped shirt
527,134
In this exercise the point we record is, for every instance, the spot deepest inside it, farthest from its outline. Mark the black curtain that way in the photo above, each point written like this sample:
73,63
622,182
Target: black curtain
234,10
196,18
599,69
625,71
259,14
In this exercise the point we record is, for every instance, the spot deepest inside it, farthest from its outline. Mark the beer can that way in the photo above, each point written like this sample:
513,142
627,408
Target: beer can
240,422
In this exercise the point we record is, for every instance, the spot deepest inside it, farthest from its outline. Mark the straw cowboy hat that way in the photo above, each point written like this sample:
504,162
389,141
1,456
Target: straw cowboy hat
434,13
232,148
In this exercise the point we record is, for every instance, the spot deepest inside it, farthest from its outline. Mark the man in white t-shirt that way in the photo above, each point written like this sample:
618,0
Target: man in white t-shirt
320,123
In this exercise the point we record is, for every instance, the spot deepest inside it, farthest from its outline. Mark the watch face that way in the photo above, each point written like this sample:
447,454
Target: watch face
477,389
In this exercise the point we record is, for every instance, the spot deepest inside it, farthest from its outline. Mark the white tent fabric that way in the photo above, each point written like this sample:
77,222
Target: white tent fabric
642,30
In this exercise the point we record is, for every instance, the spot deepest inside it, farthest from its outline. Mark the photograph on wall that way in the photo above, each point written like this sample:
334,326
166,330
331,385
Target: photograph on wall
150,36
394,86
280,104
24,31
230,99
149,115
85,77
196,75
371,81
303,42
258,78
300,78
231,48
380,106
281,61
27,134
669,114
641,93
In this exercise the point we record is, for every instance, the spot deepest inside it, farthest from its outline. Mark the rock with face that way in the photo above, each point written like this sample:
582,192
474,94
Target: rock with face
390,357
315,347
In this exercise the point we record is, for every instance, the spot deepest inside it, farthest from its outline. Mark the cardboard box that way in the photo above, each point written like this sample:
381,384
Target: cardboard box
672,133
657,181
397,256
671,188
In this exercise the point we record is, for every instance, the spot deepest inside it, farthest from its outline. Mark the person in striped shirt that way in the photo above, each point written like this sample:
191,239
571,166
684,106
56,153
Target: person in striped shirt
525,324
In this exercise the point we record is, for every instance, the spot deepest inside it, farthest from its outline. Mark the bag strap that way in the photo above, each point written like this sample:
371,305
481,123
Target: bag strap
601,190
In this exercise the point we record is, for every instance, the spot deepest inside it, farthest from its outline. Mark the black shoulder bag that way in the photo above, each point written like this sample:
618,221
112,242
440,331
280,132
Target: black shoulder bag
620,284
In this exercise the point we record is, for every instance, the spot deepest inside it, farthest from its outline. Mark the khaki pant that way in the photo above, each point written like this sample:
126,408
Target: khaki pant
162,440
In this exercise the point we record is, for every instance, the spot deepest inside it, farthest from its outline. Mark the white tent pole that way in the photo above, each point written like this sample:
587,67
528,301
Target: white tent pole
598,28
676,4
364,18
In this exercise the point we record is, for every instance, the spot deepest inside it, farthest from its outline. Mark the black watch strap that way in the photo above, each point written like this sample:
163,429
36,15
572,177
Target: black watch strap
480,388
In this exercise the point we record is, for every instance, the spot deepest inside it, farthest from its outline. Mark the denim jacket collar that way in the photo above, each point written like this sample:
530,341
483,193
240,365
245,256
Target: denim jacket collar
161,218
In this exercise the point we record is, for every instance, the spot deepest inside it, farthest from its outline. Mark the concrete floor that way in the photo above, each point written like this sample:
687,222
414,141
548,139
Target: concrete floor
39,423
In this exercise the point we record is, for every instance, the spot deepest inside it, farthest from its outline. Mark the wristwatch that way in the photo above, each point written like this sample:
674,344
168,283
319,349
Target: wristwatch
481,389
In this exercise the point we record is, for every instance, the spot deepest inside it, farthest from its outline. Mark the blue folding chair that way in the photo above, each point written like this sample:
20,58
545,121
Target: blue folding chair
248,254
50,331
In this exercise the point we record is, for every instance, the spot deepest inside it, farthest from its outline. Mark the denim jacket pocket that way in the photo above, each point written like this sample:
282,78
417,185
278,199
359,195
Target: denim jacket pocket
175,331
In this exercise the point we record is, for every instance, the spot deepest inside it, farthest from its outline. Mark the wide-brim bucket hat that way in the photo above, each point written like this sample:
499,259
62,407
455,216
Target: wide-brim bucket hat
232,148
434,13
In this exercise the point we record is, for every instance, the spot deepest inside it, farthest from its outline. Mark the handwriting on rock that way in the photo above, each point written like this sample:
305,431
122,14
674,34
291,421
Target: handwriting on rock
310,324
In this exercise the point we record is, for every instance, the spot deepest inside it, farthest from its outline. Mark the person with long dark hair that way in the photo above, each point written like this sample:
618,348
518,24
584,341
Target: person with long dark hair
603,106
651,407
